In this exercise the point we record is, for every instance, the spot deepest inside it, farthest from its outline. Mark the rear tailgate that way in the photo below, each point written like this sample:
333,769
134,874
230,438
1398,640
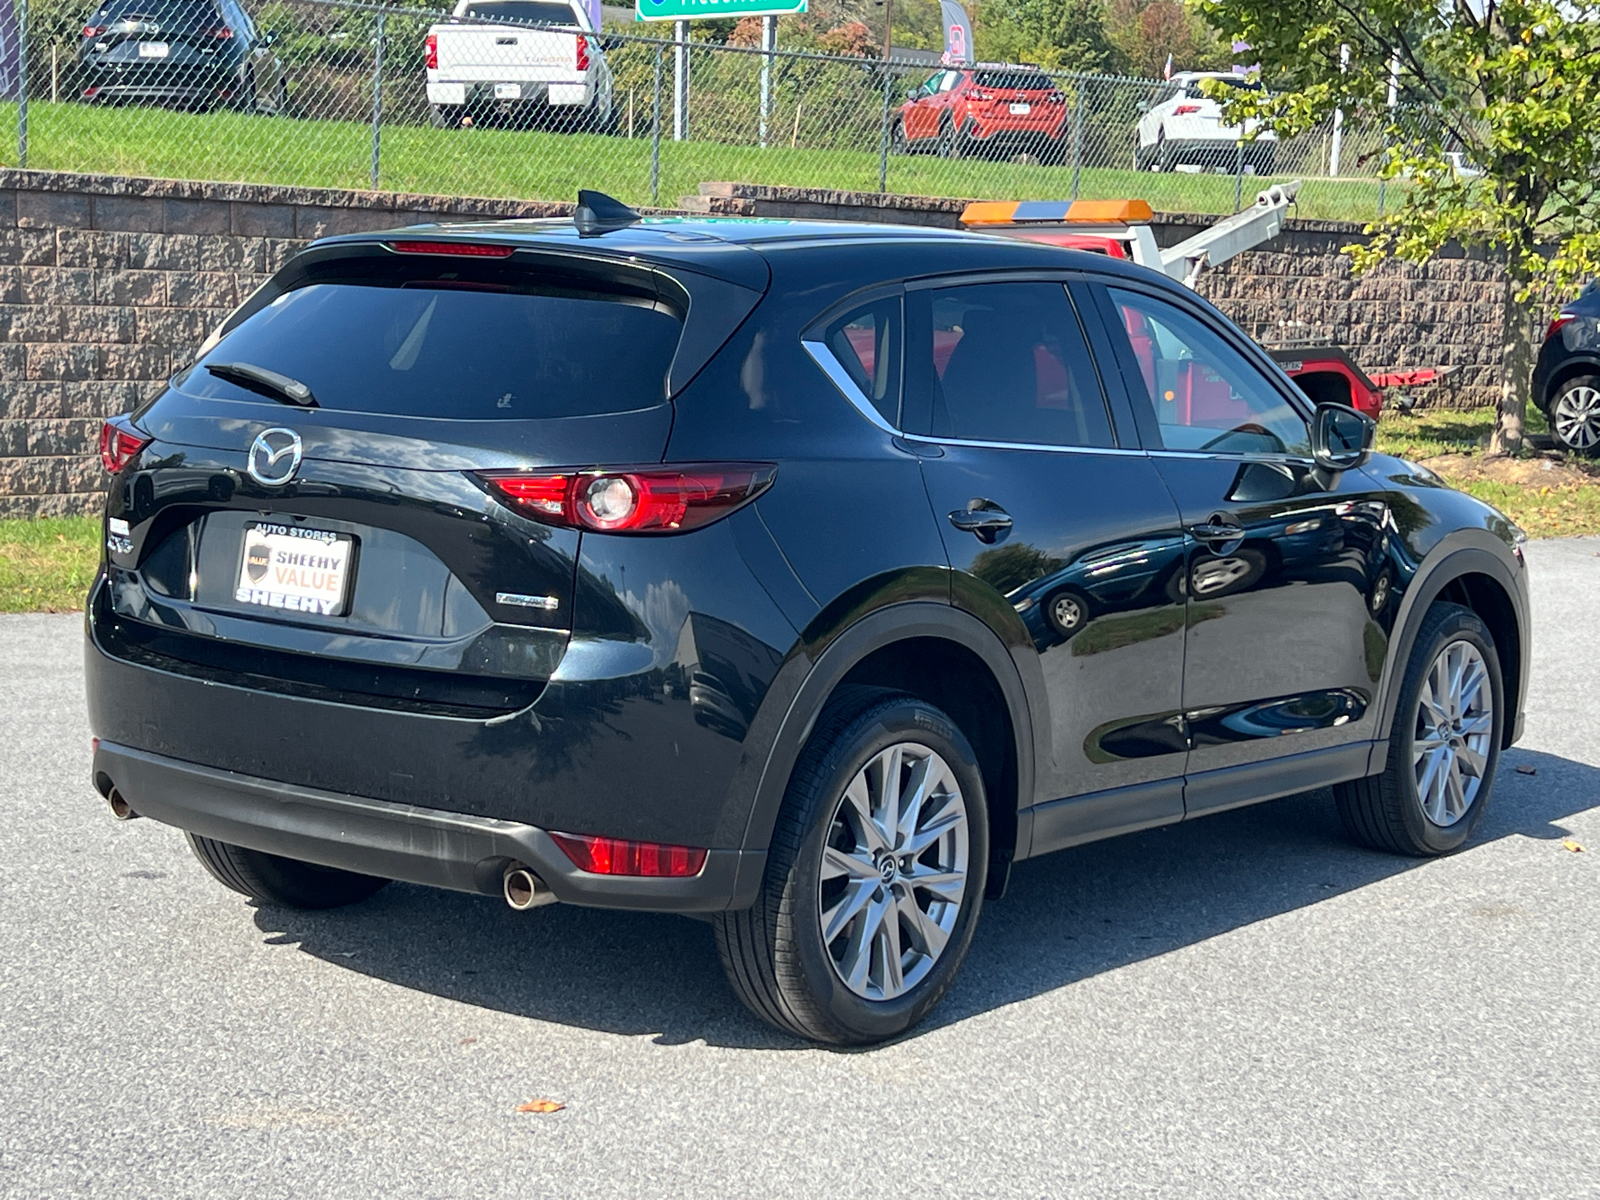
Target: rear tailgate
505,53
380,569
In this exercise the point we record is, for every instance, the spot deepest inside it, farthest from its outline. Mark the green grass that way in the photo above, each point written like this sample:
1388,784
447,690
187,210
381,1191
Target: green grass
46,564
234,147
1433,432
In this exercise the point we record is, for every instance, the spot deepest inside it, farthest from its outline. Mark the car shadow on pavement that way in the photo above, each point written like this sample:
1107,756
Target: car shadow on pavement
1066,917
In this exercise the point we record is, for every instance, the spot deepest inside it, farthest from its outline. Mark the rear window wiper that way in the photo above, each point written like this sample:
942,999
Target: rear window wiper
271,383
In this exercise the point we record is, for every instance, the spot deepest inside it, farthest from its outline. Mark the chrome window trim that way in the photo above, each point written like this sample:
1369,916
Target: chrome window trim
835,371
939,441
831,367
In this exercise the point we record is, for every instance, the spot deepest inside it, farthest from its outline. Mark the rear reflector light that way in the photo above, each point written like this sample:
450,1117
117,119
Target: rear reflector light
618,856
430,52
463,249
635,500
93,30
1562,320
90,91
1184,110
977,95
582,63
119,442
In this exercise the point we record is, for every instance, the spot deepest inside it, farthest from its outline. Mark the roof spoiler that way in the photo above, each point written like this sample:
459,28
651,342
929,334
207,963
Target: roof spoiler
598,213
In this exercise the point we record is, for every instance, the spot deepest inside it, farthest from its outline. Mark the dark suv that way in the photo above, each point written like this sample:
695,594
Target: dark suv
698,566
191,53
1566,377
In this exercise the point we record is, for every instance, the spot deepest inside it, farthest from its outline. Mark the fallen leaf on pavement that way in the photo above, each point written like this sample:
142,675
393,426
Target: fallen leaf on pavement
468,1041
1524,769
540,1106
1575,847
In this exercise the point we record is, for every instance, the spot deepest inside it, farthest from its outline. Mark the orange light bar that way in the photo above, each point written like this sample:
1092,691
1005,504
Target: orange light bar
1056,212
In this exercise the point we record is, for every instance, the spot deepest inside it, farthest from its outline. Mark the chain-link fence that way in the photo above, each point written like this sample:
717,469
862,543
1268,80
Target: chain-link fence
339,94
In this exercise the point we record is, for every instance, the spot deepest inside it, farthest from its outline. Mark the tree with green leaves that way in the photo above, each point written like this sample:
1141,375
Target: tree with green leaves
1490,110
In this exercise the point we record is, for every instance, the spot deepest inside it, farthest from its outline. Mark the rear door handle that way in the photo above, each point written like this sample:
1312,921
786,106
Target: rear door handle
984,519
1220,530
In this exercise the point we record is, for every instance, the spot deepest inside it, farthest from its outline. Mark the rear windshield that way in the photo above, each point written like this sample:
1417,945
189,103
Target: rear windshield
172,14
1027,81
541,12
444,349
1194,91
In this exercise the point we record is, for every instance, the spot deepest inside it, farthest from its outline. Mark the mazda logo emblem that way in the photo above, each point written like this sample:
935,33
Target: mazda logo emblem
275,456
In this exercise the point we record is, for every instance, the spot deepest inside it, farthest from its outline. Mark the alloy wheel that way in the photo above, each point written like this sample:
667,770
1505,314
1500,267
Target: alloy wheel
894,871
1576,417
1452,733
1215,575
1067,612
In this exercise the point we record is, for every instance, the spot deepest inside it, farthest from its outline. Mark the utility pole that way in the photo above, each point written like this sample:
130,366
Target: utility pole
888,28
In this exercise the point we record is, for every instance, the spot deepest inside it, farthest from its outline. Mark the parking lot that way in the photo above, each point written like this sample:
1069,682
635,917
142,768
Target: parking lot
1247,1005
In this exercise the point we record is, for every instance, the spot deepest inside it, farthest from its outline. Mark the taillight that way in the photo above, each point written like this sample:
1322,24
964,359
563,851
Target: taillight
634,500
221,33
93,30
977,95
1184,110
1056,98
619,856
1562,320
462,249
119,442
430,52
582,63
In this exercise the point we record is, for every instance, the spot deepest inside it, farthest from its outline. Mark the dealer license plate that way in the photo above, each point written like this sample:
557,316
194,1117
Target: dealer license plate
1021,110
508,91
295,569
153,50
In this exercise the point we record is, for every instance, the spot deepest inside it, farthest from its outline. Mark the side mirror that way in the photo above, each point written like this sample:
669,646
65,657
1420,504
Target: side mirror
913,95
1141,105
1341,438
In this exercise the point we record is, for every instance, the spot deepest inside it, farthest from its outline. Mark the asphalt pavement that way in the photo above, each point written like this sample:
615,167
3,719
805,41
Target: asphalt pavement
1244,1006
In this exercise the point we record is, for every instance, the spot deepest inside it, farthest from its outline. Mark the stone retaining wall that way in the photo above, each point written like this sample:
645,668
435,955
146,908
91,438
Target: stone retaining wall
107,285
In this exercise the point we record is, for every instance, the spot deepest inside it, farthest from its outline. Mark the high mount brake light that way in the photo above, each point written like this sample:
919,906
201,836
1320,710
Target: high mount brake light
648,500
618,856
119,442
1562,320
461,249
430,52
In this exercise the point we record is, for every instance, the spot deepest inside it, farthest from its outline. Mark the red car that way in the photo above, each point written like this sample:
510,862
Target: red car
962,112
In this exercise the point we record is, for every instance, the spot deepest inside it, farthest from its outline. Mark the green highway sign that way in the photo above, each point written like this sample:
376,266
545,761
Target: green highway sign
691,10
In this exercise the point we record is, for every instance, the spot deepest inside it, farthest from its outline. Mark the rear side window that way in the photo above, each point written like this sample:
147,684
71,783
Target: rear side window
1010,364
455,350
867,344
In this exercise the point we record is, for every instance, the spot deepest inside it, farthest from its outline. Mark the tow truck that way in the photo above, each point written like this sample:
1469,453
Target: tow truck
1122,229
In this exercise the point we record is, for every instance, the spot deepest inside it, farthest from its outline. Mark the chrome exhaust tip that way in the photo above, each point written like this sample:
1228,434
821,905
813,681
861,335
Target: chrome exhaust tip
523,889
120,808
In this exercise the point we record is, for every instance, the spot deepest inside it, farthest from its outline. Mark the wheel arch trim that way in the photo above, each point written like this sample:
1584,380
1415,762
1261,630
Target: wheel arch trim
884,627
1420,595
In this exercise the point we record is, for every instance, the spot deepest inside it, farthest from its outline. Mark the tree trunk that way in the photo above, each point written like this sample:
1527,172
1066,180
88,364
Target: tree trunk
1516,369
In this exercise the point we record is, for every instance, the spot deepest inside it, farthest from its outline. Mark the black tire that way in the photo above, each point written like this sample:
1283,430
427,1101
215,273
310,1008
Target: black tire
1162,155
1068,611
897,139
245,100
1573,417
774,953
282,109
275,880
949,143
1385,811
446,116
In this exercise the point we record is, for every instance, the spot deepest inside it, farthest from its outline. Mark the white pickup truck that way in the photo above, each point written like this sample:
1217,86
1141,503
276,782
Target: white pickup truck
487,61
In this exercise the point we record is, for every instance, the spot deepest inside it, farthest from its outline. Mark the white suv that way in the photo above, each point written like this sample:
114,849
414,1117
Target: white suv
1182,127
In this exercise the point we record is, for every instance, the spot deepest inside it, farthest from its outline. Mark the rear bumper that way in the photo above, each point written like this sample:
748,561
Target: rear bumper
453,850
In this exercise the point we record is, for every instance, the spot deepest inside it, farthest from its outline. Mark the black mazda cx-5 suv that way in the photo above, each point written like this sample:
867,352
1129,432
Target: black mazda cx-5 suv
802,576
